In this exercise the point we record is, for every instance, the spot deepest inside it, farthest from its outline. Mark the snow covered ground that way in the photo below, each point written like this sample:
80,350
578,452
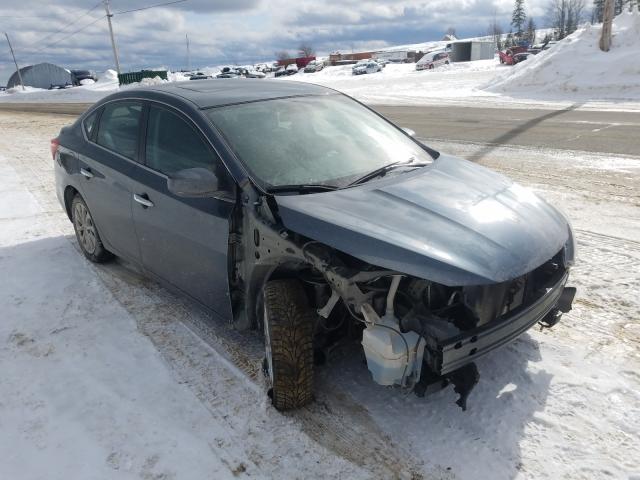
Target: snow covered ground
576,68
107,375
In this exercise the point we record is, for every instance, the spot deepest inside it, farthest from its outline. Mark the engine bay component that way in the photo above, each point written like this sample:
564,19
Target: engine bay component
393,357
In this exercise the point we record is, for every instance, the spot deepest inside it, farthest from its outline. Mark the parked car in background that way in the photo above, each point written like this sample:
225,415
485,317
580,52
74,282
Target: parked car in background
370,66
313,66
60,86
199,76
294,210
521,57
382,62
79,75
228,72
506,56
290,69
250,73
432,60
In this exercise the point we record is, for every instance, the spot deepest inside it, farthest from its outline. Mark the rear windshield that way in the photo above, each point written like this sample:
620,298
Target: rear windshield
320,140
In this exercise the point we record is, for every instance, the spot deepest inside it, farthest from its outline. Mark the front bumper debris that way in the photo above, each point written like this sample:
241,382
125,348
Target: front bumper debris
455,352
455,355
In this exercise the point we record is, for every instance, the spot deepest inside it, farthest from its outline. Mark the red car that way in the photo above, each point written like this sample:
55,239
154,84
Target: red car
507,57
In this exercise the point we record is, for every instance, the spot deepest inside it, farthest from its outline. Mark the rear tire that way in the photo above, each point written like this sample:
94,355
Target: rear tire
288,335
87,232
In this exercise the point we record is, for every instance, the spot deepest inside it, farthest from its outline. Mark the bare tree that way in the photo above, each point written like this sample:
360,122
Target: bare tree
495,32
607,22
306,50
598,10
531,30
451,31
565,16
282,55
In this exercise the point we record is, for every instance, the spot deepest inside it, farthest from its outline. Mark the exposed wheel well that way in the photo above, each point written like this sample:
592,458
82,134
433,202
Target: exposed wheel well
69,193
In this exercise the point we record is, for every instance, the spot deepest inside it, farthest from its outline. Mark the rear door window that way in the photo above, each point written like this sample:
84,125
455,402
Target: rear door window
119,126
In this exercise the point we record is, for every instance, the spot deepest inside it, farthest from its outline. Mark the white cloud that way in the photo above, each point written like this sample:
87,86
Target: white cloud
226,31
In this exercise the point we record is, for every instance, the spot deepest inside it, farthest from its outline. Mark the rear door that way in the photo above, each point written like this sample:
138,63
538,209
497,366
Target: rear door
105,164
182,240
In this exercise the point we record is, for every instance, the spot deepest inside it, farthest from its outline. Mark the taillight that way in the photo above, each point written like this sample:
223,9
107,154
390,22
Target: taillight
55,143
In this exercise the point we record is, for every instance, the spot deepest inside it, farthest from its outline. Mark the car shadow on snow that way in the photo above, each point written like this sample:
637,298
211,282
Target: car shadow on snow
484,441
385,430
509,135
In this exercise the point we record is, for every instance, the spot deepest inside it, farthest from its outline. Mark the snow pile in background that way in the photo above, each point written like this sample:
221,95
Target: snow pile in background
577,67
27,89
148,82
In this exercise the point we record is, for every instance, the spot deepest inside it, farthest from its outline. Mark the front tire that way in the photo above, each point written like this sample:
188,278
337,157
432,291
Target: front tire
87,233
288,335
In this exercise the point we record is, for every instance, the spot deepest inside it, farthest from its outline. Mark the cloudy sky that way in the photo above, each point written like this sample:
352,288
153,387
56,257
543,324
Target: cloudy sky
74,33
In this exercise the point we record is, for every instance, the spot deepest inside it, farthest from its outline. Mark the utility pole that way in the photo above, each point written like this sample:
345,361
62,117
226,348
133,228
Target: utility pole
14,60
113,41
607,21
188,53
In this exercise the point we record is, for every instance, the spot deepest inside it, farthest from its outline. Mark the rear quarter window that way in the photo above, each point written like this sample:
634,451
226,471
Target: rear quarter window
89,124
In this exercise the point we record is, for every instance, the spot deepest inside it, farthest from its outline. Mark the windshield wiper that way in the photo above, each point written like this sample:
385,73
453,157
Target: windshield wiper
379,172
302,188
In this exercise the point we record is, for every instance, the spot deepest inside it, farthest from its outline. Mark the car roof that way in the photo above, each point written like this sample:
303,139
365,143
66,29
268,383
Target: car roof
220,91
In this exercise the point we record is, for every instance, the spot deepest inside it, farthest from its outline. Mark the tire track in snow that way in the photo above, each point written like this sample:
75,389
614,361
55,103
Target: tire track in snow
334,421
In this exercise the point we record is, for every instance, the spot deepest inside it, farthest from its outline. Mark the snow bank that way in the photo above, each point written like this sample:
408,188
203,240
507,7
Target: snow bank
27,89
401,84
576,67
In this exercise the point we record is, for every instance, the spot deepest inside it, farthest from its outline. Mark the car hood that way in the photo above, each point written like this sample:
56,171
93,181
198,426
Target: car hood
453,222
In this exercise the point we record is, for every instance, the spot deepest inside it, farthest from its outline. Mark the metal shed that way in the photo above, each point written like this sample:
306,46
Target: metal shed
41,75
466,51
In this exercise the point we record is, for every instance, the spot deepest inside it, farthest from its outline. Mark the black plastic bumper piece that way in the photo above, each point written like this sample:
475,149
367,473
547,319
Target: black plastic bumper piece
463,380
460,350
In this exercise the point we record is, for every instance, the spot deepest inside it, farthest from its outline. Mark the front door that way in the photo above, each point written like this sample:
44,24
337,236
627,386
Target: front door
182,240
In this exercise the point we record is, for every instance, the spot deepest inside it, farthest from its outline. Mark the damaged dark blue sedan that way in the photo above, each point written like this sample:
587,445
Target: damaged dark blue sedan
295,210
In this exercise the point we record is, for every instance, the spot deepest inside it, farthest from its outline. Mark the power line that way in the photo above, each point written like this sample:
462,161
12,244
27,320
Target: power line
75,20
70,35
150,6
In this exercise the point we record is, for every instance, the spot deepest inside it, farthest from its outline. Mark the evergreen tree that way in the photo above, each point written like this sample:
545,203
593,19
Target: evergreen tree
519,17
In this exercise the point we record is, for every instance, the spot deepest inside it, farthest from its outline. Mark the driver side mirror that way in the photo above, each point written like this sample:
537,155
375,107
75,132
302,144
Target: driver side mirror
409,132
193,182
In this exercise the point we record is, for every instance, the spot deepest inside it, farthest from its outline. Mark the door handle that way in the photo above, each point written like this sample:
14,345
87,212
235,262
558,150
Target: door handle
142,200
86,172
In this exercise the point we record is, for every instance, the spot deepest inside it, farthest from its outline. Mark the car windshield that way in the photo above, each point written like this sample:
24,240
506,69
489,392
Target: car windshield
319,140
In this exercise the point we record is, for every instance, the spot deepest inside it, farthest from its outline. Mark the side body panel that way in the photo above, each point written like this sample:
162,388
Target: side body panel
184,240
